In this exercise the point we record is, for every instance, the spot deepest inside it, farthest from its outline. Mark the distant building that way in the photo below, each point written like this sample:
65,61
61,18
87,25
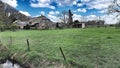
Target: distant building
95,23
84,24
40,22
60,25
20,24
78,24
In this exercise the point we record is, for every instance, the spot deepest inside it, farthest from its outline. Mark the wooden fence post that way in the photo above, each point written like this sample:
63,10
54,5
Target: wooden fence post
62,53
28,45
0,40
10,40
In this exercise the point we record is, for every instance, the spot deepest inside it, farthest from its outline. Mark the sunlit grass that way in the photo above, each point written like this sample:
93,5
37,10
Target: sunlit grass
85,48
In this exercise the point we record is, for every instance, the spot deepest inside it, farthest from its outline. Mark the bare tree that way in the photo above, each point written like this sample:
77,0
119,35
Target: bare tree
114,7
63,16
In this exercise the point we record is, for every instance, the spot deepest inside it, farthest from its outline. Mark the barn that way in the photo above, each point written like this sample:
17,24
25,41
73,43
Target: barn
20,23
40,22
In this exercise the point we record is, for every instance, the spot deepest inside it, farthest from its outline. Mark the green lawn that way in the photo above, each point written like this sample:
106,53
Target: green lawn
83,48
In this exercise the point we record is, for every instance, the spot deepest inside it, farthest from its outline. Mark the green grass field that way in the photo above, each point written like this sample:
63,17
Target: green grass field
83,48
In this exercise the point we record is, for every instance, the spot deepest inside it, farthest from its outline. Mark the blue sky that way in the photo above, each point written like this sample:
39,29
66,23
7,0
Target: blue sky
81,9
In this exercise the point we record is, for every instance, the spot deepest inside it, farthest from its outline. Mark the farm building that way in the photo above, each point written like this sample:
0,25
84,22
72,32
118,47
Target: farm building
77,24
60,25
93,23
20,24
40,22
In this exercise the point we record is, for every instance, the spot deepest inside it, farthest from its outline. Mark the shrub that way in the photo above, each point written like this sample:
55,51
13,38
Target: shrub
14,27
4,50
2,26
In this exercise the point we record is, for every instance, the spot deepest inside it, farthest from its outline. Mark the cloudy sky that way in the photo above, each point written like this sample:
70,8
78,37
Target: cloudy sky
81,9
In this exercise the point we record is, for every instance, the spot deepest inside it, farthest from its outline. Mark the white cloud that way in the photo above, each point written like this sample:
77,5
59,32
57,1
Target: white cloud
57,12
12,3
47,3
99,4
91,17
79,4
66,2
75,2
42,3
103,11
25,13
42,12
52,15
110,19
77,17
54,12
85,0
81,10
54,18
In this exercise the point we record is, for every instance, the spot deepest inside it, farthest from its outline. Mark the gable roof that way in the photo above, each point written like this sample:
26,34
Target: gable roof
20,23
40,19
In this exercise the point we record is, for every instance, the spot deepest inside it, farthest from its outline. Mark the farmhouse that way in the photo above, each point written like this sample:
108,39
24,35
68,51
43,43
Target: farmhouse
40,22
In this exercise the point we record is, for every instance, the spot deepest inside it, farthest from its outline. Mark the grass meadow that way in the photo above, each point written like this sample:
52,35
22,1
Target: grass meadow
83,48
